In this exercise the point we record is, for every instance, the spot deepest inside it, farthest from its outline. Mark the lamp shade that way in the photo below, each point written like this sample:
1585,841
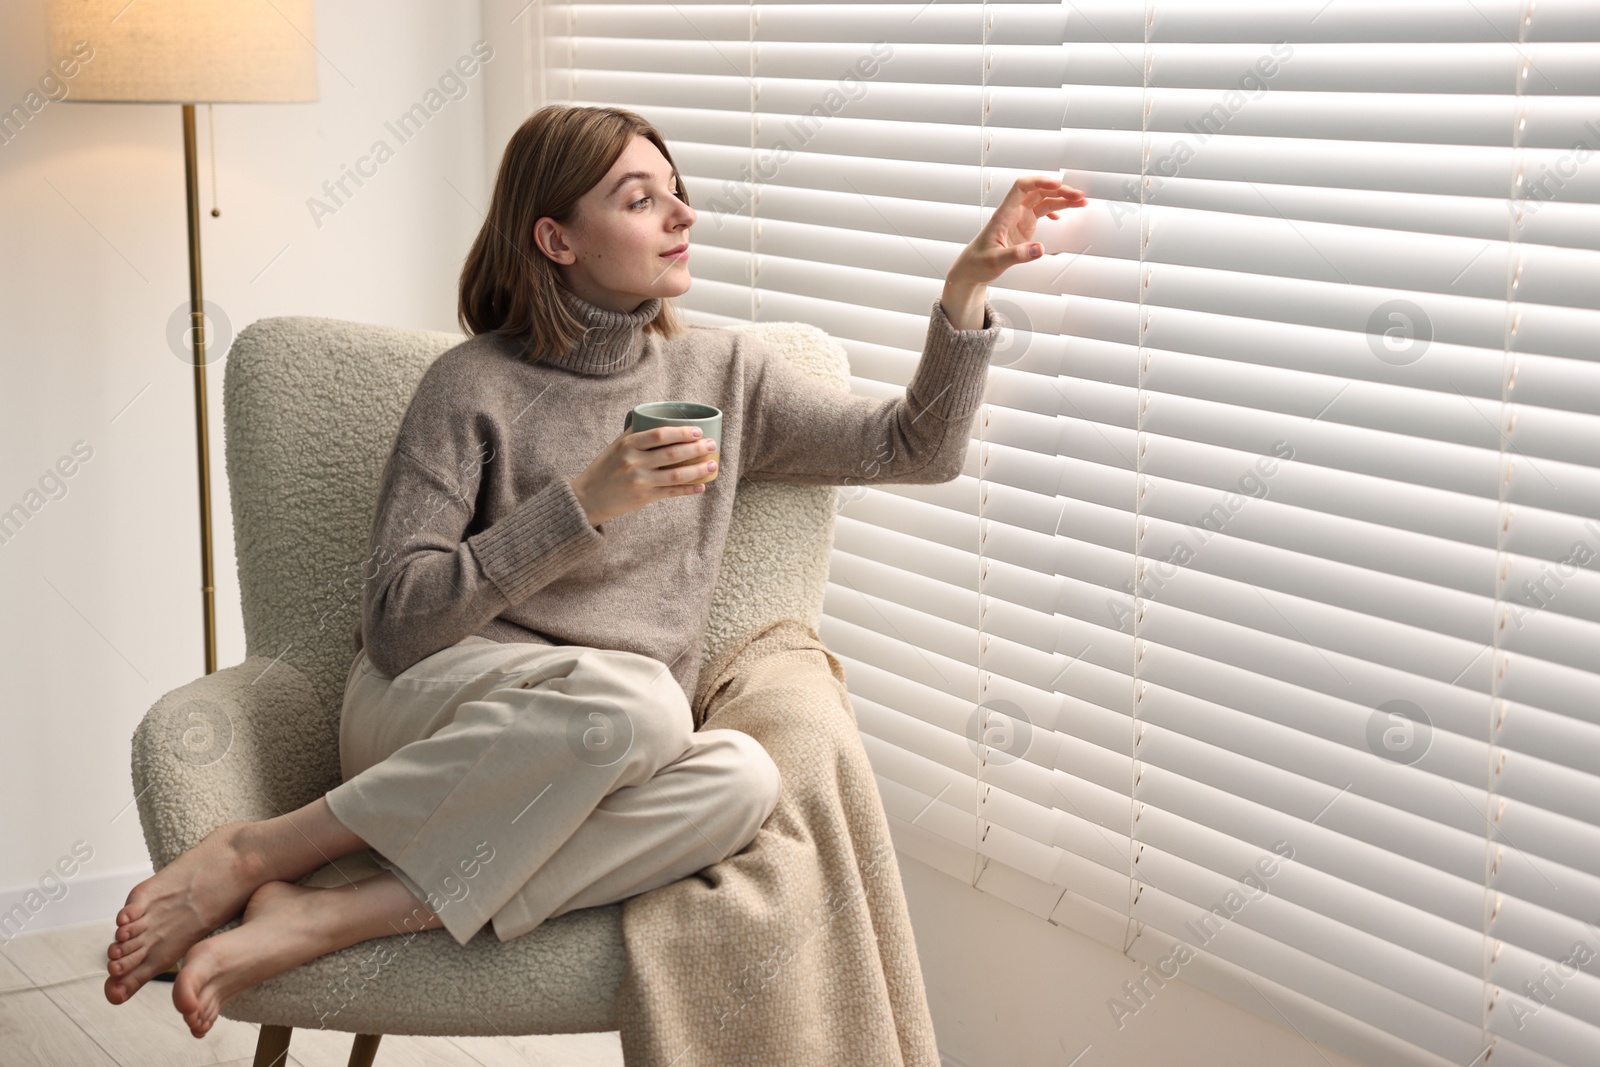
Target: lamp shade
188,51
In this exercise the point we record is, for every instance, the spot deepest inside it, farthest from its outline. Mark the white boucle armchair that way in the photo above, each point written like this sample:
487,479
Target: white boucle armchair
311,407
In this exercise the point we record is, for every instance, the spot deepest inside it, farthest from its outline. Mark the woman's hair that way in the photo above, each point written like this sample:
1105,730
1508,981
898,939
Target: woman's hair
508,286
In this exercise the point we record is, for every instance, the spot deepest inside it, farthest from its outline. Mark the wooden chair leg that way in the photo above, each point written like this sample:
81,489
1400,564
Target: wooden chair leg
272,1047
364,1050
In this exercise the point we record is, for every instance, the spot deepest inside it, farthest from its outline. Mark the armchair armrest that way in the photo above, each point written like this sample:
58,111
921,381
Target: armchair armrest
245,743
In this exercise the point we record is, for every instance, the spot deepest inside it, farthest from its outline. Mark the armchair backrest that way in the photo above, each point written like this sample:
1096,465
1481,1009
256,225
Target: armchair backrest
311,408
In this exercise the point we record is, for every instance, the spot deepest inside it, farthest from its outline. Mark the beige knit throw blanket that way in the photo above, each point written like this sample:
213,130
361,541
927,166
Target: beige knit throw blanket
797,951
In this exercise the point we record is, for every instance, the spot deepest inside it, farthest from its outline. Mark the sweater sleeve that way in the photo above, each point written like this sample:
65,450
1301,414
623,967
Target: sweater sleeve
800,429
427,588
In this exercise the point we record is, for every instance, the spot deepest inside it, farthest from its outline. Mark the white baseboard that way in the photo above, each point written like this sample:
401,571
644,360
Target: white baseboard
88,897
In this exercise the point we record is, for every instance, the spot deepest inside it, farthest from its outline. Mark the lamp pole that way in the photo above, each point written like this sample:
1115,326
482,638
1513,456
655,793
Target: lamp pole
197,335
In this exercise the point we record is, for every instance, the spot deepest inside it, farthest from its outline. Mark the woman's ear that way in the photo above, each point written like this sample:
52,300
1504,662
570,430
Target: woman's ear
549,239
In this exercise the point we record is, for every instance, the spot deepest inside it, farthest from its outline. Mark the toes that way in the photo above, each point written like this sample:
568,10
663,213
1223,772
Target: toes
199,1020
198,1004
131,930
121,988
124,957
142,973
127,963
184,998
134,909
125,946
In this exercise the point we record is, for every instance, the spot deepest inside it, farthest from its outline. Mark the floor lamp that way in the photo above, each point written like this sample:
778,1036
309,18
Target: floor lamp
188,52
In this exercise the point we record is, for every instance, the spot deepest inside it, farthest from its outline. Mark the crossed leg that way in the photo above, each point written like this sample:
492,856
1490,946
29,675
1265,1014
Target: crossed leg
730,786
725,780
690,807
285,926
167,913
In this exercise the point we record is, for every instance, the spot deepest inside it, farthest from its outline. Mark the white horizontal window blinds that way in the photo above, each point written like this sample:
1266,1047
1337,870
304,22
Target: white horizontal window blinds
840,156
1334,439
1261,637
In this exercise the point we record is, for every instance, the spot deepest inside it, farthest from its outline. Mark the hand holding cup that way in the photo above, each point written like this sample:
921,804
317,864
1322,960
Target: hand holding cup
666,449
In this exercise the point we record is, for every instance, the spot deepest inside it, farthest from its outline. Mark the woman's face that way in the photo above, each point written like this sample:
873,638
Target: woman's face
611,253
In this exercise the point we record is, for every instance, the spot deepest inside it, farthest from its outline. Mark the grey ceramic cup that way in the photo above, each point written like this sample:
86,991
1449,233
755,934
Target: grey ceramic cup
681,413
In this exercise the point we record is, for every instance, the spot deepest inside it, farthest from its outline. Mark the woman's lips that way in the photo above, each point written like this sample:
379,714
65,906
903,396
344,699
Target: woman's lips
680,254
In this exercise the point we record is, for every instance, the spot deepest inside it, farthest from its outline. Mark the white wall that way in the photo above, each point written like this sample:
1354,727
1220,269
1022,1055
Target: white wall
100,587
1007,989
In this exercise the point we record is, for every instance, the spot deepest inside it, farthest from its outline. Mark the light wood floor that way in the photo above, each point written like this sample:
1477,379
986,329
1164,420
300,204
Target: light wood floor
54,1014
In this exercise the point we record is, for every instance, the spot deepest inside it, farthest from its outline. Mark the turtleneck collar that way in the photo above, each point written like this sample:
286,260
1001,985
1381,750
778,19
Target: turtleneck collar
613,340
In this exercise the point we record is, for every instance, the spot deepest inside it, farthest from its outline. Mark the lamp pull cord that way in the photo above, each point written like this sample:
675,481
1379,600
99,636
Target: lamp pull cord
211,137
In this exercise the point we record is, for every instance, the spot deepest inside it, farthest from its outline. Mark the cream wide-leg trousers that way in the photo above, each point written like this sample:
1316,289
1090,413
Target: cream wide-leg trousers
511,783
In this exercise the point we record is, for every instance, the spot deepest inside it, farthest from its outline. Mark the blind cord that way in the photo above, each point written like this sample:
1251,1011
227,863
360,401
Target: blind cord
1130,935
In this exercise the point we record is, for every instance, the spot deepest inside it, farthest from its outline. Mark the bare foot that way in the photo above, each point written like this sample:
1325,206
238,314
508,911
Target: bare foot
170,911
282,929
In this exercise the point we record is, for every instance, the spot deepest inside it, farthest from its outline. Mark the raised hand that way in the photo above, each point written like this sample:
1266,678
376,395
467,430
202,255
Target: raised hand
1007,238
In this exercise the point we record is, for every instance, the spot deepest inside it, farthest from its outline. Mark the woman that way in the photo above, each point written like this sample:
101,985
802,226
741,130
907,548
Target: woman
516,740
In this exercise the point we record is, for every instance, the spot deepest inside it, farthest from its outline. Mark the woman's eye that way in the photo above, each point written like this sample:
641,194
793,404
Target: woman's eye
636,203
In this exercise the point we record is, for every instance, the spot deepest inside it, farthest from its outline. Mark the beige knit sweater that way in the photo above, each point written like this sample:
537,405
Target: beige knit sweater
477,530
